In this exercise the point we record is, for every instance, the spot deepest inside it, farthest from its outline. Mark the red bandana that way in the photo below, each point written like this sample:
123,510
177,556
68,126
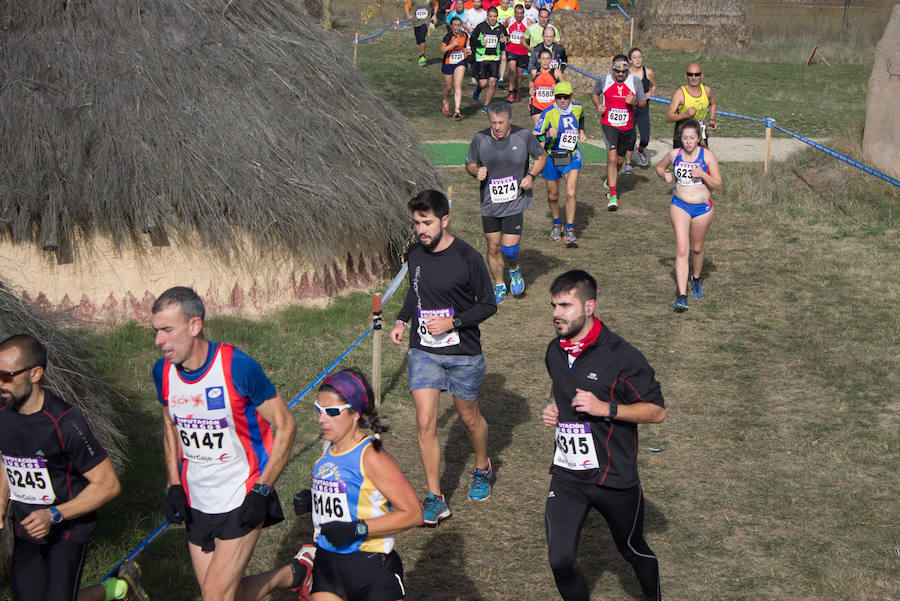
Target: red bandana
575,348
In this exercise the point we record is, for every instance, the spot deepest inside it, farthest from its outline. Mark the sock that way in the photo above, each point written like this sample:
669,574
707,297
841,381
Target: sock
612,190
557,221
115,588
570,226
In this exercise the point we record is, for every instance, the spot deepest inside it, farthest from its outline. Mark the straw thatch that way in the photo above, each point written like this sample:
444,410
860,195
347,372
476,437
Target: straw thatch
70,373
590,32
692,23
197,124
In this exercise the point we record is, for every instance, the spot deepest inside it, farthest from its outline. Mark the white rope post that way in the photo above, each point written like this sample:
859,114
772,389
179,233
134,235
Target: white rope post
768,144
376,347
397,27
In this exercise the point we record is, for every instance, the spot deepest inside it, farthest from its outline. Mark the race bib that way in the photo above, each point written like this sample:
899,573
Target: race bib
444,340
568,139
703,130
456,57
575,448
329,502
421,13
554,64
683,174
29,480
503,189
515,37
490,41
543,94
617,117
205,440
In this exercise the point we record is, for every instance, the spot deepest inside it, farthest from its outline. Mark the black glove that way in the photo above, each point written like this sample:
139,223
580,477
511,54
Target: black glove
303,502
253,510
175,505
342,533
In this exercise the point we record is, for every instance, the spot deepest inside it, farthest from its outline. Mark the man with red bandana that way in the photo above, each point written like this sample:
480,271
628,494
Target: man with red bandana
602,388
615,96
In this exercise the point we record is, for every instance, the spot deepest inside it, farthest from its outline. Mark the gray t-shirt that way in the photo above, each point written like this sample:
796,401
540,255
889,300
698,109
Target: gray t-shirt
507,163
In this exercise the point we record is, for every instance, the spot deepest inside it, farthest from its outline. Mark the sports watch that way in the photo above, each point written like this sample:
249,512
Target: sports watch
56,517
457,322
613,409
262,489
362,530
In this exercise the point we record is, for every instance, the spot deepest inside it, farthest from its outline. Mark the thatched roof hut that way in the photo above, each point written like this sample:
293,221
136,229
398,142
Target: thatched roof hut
231,146
692,24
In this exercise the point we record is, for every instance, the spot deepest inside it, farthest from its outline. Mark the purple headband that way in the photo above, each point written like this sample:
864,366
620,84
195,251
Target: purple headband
350,388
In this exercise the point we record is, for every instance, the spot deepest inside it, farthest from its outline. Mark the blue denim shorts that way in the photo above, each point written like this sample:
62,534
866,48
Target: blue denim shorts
460,374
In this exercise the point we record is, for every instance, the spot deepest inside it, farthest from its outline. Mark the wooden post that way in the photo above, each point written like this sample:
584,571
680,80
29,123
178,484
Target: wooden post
355,47
376,347
397,27
631,36
768,145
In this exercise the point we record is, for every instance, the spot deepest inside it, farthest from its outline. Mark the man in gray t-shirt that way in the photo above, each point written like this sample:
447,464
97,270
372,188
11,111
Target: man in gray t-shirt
498,157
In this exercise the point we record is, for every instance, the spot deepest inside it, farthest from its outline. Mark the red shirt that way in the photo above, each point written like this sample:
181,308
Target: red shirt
618,114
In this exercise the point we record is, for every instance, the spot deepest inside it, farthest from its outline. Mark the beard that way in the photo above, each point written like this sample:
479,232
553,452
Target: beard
571,327
12,401
434,241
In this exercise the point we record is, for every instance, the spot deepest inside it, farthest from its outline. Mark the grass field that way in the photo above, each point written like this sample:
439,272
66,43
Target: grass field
780,480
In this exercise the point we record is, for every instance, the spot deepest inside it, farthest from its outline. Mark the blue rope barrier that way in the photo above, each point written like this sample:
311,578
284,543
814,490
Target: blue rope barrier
622,10
393,25
324,373
839,156
162,526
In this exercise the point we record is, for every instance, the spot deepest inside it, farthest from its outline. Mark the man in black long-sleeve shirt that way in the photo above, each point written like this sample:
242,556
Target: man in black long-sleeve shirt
449,295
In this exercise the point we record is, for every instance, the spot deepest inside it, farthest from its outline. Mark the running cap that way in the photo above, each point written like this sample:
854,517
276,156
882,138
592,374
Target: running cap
351,389
562,87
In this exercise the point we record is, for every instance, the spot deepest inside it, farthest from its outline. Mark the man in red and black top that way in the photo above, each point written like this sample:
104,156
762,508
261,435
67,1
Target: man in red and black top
602,388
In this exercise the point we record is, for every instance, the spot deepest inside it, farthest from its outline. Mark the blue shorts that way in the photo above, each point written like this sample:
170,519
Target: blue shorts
693,209
553,173
460,374
449,69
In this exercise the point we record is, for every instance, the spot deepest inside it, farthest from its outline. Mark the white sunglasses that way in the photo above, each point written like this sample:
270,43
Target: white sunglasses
331,411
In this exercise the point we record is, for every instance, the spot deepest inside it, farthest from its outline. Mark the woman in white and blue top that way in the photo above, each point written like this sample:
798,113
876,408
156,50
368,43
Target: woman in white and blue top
360,499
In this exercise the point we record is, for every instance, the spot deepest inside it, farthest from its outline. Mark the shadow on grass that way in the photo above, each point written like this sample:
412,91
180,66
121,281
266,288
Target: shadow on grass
708,267
441,570
503,411
598,554
536,264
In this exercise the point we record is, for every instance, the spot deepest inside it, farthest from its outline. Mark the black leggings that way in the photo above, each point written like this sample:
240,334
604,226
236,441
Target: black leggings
641,122
567,507
48,572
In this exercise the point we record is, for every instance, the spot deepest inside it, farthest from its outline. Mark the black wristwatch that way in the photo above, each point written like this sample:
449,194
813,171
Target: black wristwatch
613,409
262,489
56,517
362,530
457,322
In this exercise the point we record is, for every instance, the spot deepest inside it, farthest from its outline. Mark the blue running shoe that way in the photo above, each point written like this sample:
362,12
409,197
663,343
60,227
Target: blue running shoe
499,293
696,288
680,305
481,483
484,109
476,93
516,281
434,509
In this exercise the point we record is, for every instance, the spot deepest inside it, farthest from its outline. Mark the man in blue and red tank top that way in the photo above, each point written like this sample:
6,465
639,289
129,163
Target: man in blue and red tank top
227,435
615,96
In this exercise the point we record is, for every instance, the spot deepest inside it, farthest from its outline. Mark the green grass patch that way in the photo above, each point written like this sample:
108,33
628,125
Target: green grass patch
454,153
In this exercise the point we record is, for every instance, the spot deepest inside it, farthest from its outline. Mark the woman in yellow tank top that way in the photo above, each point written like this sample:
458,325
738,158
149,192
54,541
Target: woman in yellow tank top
693,101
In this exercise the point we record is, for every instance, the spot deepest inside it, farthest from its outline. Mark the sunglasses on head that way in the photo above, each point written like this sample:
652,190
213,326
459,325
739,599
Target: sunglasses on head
331,411
697,74
7,376
567,96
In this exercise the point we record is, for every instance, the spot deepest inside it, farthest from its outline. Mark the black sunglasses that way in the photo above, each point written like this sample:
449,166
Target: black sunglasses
698,74
620,70
7,376
563,95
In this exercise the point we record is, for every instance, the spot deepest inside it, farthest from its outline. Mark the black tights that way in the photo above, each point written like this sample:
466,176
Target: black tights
567,507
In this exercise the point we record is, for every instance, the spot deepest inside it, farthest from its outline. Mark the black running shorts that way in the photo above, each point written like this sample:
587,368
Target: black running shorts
204,528
359,576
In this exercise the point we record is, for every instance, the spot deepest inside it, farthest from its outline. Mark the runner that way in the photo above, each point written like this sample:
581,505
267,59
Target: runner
505,15
641,115
455,48
541,86
56,478
222,456
498,158
425,11
558,56
531,10
449,295
536,31
360,498
459,11
517,51
474,17
693,101
485,42
563,124
602,388
696,171
616,95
